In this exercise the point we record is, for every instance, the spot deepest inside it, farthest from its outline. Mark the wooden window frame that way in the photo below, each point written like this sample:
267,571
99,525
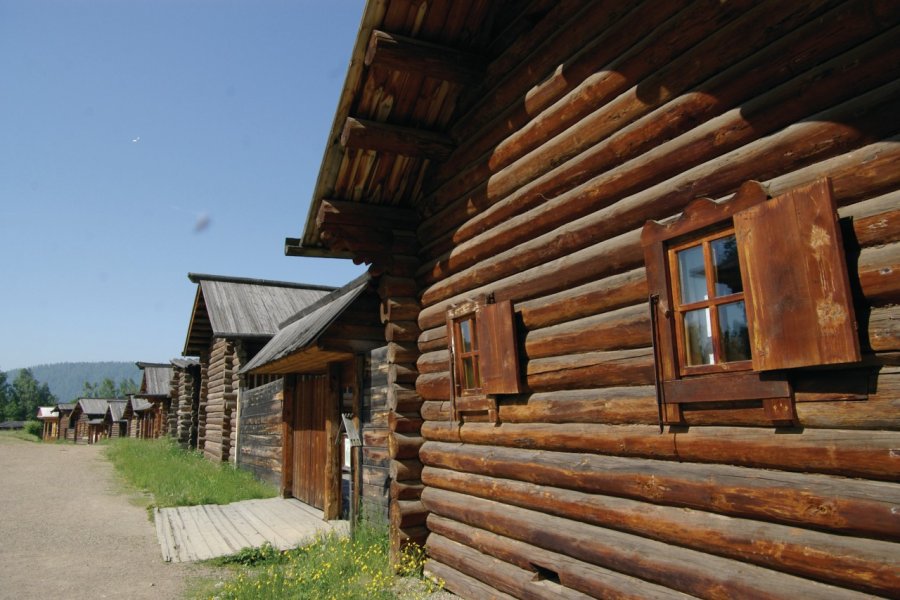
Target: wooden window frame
766,379
494,354
711,303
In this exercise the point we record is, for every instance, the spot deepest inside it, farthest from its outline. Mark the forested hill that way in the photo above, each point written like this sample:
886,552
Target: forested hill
66,380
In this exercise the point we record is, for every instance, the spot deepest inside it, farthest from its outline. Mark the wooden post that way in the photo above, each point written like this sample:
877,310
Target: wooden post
332,501
287,436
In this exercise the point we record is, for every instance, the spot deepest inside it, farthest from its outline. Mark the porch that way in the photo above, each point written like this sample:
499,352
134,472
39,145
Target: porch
190,533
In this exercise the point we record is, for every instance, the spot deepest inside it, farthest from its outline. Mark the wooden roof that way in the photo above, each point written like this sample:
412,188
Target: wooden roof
303,329
93,406
237,307
116,409
416,67
156,378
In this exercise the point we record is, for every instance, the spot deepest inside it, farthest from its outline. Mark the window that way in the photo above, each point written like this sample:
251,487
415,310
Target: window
743,290
483,356
708,301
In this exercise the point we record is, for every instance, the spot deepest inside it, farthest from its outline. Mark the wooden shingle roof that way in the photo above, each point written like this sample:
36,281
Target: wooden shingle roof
156,378
306,326
416,71
236,307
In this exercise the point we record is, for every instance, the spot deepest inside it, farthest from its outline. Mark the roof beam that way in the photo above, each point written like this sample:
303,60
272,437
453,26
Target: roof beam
405,141
358,213
400,53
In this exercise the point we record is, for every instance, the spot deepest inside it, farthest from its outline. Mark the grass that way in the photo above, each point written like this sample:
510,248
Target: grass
177,477
19,434
338,568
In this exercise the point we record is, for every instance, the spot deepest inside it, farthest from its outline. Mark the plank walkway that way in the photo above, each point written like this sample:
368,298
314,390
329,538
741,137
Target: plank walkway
189,533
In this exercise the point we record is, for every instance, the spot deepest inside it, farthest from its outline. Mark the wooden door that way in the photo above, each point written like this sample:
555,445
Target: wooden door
309,451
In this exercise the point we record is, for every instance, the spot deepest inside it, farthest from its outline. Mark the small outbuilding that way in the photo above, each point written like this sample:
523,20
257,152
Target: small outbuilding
49,419
329,358
140,415
156,382
114,420
232,319
88,419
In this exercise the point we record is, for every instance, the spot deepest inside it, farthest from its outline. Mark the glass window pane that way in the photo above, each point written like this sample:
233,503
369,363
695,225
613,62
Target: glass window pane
733,326
698,346
691,275
727,269
465,333
469,377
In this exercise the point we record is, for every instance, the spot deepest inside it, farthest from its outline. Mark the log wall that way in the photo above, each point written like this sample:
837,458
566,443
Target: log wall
563,155
222,386
375,476
260,431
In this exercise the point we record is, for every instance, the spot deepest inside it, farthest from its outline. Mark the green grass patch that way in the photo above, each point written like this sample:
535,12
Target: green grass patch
18,434
177,477
339,568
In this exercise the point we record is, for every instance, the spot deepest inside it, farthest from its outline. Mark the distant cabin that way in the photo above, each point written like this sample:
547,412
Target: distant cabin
156,382
232,319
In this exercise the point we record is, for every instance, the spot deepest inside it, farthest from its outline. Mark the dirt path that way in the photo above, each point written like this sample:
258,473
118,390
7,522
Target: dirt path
68,531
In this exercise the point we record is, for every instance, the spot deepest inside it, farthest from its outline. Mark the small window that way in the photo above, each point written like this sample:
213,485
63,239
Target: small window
483,355
465,340
743,290
708,301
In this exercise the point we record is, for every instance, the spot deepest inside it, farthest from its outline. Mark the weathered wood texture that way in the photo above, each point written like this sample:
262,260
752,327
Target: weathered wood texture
375,478
588,122
221,399
260,431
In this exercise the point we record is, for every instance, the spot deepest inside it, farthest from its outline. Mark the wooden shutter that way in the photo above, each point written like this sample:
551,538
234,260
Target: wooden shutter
498,353
797,293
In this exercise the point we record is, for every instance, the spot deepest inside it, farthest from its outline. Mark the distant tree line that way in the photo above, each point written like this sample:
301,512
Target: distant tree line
109,388
19,400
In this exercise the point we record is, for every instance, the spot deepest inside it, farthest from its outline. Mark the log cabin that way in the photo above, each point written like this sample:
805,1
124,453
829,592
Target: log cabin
331,362
87,419
232,318
49,419
63,426
140,415
114,420
156,380
185,395
648,255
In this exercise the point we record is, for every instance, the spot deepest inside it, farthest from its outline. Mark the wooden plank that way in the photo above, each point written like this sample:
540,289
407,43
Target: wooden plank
242,526
799,305
361,134
499,356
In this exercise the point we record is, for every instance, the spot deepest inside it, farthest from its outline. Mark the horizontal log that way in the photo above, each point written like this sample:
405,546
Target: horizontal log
686,570
406,470
865,454
792,148
578,575
401,331
617,291
433,339
461,584
402,353
843,28
406,490
342,212
407,513
404,422
360,134
620,329
861,564
878,274
437,361
402,446
521,582
396,287
399,309
811,501
400,53
402,374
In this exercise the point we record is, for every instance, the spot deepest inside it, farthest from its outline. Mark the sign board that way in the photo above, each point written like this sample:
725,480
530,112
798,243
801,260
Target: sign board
350,428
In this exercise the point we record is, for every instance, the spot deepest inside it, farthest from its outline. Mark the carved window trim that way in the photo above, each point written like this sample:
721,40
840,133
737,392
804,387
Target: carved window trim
767,378
494,356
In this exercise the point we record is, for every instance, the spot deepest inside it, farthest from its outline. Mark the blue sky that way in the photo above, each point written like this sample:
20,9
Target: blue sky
125,125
